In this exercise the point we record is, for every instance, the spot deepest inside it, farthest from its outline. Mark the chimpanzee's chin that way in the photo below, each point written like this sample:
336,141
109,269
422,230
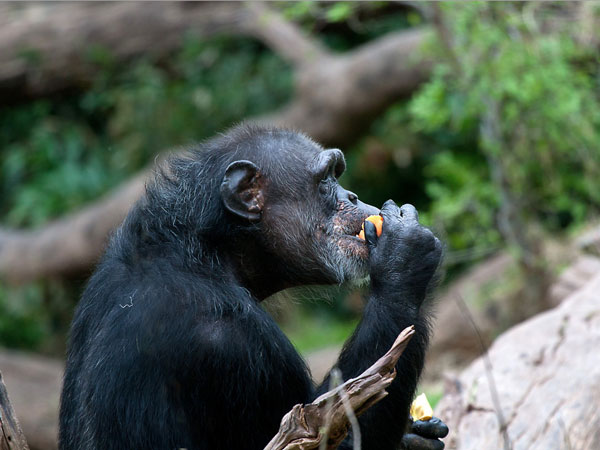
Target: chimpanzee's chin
355,266
354,247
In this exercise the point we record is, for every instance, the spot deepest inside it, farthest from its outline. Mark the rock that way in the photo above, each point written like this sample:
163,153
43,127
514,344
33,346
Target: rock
454,343
546,372
589,240
577,275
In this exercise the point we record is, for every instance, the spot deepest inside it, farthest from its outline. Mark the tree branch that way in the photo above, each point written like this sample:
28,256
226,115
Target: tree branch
302,427
283,37
67,246
46,47
337,98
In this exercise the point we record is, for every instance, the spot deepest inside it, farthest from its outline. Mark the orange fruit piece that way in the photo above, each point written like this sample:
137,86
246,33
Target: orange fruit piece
375,220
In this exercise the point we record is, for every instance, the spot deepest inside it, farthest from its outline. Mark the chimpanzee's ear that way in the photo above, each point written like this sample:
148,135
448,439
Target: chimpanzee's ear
242,190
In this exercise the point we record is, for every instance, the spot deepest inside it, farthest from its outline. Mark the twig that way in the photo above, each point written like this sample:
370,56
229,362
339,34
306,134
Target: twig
325,430
356,438
302,428
460,301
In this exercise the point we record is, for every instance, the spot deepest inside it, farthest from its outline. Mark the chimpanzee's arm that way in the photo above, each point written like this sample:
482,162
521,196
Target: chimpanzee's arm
383,425
403,261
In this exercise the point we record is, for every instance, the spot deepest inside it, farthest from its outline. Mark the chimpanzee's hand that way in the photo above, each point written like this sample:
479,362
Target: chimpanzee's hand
405,256
425,435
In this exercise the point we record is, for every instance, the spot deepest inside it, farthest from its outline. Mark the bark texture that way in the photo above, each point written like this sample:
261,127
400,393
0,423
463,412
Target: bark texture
71,245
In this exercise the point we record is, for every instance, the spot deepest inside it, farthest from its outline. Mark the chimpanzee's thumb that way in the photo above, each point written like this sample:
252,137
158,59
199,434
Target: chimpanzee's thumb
370,235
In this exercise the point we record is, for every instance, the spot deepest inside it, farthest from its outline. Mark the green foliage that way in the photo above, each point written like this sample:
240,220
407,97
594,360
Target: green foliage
47,166
58,155
463,202
339,11
22,321
544,87
311,331
345,25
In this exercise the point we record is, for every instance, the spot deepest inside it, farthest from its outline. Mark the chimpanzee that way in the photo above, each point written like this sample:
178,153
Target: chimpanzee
170,348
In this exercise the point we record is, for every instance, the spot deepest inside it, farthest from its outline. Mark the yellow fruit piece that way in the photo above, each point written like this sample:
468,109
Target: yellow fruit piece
420,409
375,220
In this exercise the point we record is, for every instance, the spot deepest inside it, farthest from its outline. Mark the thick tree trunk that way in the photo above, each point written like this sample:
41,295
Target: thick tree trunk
338,96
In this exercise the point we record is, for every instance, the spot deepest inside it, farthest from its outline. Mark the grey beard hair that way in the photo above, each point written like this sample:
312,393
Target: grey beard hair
345,267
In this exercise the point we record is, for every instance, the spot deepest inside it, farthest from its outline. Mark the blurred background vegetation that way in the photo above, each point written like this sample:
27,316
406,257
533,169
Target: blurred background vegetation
498,150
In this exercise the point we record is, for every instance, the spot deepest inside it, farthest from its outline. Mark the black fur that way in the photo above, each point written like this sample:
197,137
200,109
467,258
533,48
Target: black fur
170,348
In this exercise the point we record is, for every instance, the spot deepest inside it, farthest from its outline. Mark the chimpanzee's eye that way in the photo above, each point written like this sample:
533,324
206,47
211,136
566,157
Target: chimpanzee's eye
324,186
327,183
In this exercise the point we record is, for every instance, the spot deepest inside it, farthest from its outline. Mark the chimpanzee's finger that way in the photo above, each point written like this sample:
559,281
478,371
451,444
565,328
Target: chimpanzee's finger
415,442
390,213
370,234
409,212
432,429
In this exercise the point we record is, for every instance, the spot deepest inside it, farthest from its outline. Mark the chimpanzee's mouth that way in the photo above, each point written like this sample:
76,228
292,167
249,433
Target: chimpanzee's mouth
355,238
350,230
348,239
346,226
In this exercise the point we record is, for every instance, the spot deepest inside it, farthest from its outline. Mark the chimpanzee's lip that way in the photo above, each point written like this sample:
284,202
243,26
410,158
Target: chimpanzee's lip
350,229
357,229
355,238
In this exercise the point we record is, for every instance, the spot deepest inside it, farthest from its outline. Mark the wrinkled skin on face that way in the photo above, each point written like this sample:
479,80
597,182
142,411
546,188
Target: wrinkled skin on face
318,221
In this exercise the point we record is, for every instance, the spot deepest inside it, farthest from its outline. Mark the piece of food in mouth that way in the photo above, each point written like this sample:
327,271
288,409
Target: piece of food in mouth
375,220
420,409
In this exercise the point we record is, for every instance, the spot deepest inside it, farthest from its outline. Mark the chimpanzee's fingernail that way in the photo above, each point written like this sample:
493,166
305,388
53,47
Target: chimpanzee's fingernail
370,233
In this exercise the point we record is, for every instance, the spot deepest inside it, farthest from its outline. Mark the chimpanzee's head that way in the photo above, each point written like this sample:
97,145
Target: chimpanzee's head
301,224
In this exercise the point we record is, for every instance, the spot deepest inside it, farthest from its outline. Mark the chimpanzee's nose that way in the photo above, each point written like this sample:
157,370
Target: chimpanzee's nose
352,197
